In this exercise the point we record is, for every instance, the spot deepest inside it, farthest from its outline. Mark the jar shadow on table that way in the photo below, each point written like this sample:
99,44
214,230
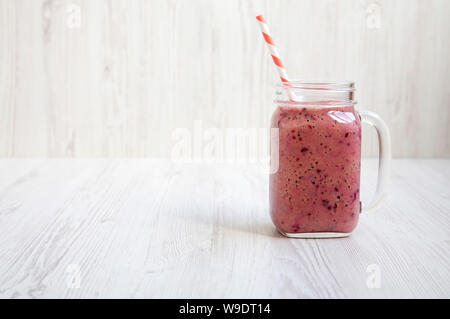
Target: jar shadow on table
262,229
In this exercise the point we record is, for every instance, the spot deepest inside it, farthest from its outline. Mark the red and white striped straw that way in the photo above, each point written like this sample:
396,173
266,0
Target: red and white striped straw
275,55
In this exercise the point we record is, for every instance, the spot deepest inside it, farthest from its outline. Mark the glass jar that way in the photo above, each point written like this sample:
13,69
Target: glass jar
316,159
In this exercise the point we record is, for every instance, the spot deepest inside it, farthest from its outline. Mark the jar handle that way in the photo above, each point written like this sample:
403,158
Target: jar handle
384,159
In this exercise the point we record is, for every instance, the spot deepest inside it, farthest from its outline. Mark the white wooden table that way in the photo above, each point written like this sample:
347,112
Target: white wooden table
154,229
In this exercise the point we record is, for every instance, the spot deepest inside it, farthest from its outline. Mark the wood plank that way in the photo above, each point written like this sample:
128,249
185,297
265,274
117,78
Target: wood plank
155,229
126,76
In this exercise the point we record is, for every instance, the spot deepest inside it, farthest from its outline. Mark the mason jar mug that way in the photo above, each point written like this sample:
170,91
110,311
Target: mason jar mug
316,159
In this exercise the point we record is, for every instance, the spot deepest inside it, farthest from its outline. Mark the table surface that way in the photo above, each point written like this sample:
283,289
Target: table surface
140,228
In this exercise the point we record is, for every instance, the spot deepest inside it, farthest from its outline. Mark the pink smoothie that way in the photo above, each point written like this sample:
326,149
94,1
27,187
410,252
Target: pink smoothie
316,186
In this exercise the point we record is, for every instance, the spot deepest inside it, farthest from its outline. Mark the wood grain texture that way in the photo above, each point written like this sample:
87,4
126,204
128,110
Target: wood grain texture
122,78
154,229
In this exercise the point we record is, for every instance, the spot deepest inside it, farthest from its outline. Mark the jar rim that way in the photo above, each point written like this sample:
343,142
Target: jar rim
318,85
307,92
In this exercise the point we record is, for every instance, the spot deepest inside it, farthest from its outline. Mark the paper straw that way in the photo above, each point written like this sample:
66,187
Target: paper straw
275,55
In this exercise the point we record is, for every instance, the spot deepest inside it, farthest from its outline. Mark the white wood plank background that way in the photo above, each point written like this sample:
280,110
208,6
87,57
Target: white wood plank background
113,78
145,228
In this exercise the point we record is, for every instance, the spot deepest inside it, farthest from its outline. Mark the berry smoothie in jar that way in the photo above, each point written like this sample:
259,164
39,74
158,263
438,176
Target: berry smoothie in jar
314,189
